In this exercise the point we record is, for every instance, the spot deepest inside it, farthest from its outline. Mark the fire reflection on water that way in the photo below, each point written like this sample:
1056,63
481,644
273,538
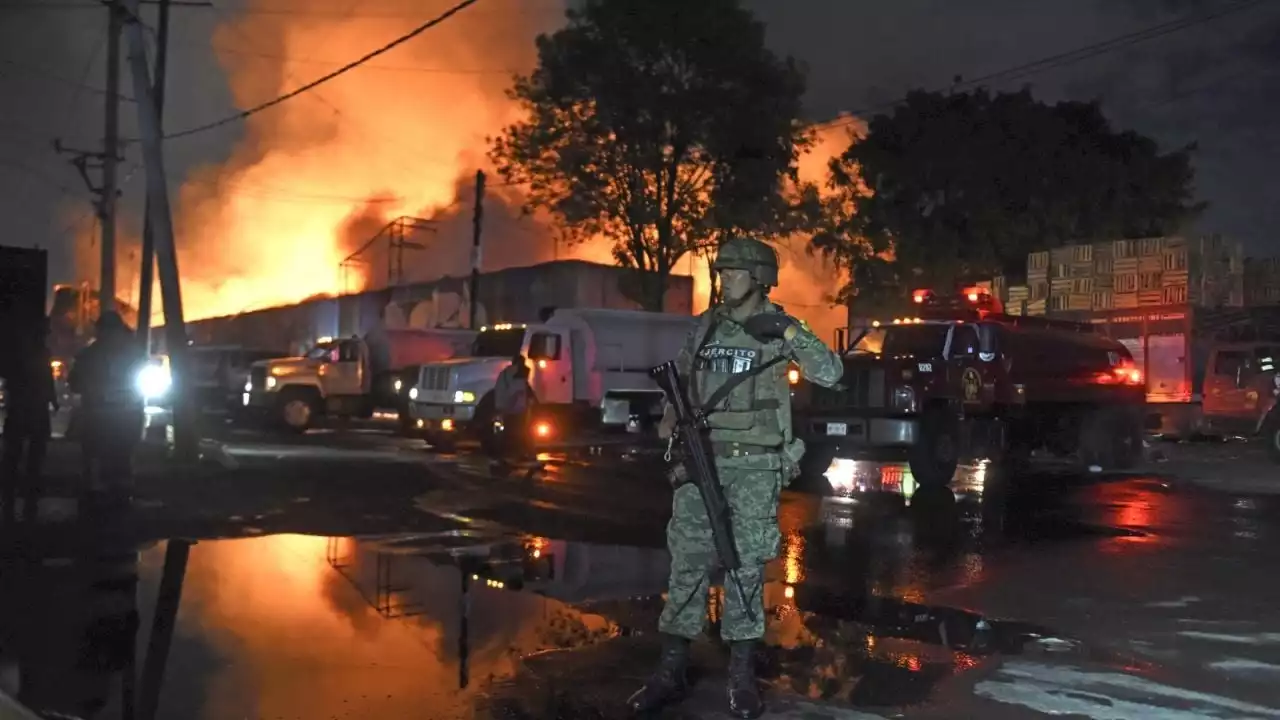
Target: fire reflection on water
296,638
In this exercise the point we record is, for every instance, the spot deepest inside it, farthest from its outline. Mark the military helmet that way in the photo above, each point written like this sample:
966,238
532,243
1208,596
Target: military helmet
749,254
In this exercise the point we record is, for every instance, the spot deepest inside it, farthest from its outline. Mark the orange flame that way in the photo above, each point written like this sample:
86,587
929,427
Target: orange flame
312,180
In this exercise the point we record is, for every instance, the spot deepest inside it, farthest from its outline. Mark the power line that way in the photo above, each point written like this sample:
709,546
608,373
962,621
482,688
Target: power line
386,68
337,112
325,78
48,75
1063,59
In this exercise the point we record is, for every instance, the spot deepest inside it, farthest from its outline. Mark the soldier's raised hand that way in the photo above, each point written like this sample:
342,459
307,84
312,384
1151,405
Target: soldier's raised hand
768,326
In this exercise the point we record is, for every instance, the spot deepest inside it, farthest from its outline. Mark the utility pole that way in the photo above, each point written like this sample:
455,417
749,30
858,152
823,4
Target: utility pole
145,280
107,161
111,141
186,437
476,221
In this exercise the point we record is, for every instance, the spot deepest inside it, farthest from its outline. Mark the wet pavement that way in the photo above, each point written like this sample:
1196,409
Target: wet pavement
533,592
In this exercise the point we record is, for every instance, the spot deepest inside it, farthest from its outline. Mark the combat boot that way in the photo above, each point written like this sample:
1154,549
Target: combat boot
669,682
744,691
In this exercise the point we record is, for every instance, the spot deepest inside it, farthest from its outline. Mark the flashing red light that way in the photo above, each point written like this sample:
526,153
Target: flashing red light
1122,375
919,296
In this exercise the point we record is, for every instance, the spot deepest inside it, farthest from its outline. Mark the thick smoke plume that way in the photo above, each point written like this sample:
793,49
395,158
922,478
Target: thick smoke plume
314,179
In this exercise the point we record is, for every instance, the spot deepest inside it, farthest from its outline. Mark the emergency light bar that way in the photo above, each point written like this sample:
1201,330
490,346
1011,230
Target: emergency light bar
971,299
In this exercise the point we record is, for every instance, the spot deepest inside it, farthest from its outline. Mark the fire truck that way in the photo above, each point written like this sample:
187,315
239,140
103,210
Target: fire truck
961,379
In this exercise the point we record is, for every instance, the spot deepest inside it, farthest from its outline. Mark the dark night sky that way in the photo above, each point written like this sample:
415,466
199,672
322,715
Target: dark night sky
1213,83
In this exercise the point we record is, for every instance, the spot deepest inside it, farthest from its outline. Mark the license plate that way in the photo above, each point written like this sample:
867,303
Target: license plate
837,429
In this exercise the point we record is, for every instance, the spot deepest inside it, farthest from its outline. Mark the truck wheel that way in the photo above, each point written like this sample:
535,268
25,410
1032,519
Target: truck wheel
1127,439
297,412
1094,443
1271,431
934,457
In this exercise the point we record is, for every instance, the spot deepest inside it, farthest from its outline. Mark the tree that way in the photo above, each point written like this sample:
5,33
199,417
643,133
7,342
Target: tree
962,186
661,126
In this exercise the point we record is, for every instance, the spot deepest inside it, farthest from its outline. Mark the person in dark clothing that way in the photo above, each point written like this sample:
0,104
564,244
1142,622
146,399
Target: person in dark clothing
105,375
512,396
27,427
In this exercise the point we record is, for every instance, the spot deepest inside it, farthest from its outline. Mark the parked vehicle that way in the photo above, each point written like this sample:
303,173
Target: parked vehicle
588,369
353,377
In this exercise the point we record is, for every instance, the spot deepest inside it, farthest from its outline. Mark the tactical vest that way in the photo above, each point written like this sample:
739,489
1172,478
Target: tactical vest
750,413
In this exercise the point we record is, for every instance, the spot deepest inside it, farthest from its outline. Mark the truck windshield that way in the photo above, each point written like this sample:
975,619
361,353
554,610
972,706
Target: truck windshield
498,343
323,351
918,340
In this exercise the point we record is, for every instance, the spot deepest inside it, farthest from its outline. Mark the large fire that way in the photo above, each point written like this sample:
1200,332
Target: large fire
316,177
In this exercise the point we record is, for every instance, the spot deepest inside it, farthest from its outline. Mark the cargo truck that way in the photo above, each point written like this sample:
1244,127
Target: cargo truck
343,378
588,370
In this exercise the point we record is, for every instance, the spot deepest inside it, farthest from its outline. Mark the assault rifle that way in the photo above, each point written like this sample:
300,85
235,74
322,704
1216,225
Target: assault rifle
699,464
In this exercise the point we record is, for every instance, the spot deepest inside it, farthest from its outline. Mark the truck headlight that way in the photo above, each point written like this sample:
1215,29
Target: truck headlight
413,393
248,386
271,382
398,384
464,396
904,400
153,381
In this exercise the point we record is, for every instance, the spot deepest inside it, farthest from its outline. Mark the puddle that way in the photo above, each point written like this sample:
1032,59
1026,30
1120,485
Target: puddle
477,622
302,626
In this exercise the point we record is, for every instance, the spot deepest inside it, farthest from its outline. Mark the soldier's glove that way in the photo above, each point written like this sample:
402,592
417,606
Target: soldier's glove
768,326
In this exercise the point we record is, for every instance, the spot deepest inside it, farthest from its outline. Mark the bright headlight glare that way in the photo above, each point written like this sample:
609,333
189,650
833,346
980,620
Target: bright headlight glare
413,393
464,396
153,381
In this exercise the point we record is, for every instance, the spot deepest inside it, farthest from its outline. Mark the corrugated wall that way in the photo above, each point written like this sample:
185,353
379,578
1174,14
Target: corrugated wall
512,295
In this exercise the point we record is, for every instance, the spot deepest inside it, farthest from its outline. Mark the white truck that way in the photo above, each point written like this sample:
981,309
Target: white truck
588,369
348,377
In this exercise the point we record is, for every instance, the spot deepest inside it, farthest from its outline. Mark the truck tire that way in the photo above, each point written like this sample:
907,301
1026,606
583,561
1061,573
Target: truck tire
1127,438
1110,438
934,457
1271,433
297,411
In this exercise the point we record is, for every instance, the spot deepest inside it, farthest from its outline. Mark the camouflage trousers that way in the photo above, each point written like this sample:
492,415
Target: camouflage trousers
753,499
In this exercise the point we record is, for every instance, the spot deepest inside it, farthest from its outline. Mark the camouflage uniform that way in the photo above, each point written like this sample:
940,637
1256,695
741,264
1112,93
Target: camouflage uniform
756,456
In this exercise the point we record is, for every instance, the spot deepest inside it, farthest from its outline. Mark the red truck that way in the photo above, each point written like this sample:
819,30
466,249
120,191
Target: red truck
960,378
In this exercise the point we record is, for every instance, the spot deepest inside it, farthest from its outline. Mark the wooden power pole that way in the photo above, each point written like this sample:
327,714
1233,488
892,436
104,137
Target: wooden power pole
145,277
476,222
185,434
110,163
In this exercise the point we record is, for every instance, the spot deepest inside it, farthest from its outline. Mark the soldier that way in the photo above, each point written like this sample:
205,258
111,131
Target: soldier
744,340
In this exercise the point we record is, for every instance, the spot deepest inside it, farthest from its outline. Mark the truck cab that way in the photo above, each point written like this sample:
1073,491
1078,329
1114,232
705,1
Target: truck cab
1241,386
447,396
330,377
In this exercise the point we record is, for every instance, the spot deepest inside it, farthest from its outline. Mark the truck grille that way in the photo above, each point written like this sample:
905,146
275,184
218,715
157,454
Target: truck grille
258,378
863,388
435,378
